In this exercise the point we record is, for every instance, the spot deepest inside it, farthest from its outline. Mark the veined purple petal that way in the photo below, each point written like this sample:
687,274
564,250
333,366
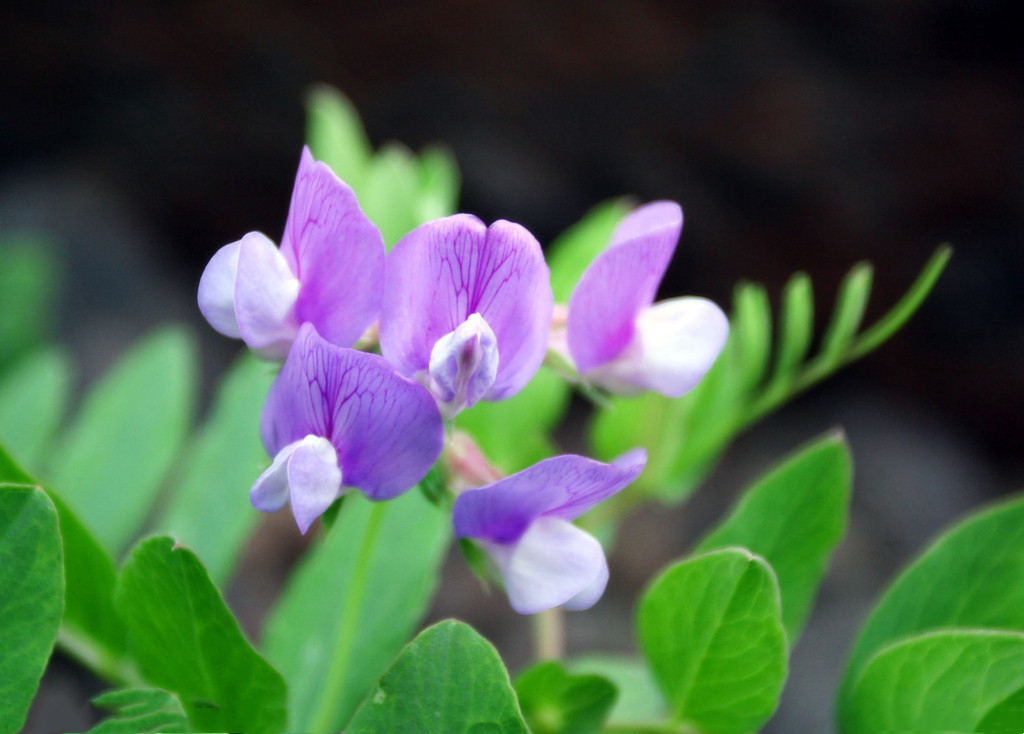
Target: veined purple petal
554,563
620,282
463,365
265,293
336,253
675,344
386,430
448,269
217,290
563,487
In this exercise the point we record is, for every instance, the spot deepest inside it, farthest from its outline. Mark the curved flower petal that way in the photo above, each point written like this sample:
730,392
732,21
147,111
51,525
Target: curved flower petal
463,365
336,253
675,344
562,487
387,430
620,282
265,293
217,290
552,564
444,271
314,480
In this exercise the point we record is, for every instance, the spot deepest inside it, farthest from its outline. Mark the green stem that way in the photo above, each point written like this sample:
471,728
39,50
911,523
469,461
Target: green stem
325,716
116,671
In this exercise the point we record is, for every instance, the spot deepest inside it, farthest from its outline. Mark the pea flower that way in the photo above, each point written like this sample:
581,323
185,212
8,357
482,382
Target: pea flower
524,524
617,337
337,418
466,309
329,271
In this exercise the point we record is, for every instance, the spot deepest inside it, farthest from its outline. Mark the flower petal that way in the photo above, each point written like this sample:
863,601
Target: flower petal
444,271
562,486
387,430
314,480
336,253
269,492
463,365
554,563
620,282
265,293
217,290
675,344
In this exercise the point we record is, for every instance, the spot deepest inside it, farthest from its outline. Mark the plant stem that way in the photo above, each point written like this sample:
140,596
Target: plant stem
549,634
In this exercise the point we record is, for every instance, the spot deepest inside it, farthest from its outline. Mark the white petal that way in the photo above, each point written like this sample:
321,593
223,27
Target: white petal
675,343
307,471
265,295
553,563
217,290
463,365
269,493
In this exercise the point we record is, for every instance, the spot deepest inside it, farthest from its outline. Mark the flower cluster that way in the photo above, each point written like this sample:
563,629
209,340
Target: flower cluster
463,313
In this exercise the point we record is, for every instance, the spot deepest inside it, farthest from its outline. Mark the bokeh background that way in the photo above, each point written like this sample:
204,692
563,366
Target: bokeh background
139,138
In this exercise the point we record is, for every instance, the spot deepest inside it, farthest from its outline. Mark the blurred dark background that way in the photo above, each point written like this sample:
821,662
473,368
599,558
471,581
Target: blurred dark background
797,136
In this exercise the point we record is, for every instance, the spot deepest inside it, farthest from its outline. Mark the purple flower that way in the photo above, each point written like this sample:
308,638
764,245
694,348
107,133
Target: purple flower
524,523
329,271
616,338
337,418
466,309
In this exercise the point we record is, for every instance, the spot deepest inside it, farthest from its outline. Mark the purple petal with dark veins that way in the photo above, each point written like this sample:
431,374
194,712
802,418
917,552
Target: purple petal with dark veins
336,252
563,486
387,430
444,271
620,282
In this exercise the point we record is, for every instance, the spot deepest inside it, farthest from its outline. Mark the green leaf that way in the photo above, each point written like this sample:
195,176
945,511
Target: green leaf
186,641
554,701
571,252
31,597
796,328
752,322
972,576
140,710
352,604
28,280
210,511
851,302
335,134
530,416
439,183
955,680
639,702
711,630
112,461
90,630
793,517
449,679
389,192
33,394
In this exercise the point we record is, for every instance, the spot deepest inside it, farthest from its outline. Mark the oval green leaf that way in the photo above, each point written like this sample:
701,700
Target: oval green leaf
711,630
553,701
448,679
33,396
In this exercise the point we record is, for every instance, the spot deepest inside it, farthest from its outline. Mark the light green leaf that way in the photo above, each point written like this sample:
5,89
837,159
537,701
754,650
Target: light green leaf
972,576
186,641
439,183
354,601
28,281
31,597
851,302
796,325
793,517
210,511
529,416
90,630
639,703
111,463
138,710
390,191
711,630
449,679
33,395
752,322
571,252
335,134
554,701
954,680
